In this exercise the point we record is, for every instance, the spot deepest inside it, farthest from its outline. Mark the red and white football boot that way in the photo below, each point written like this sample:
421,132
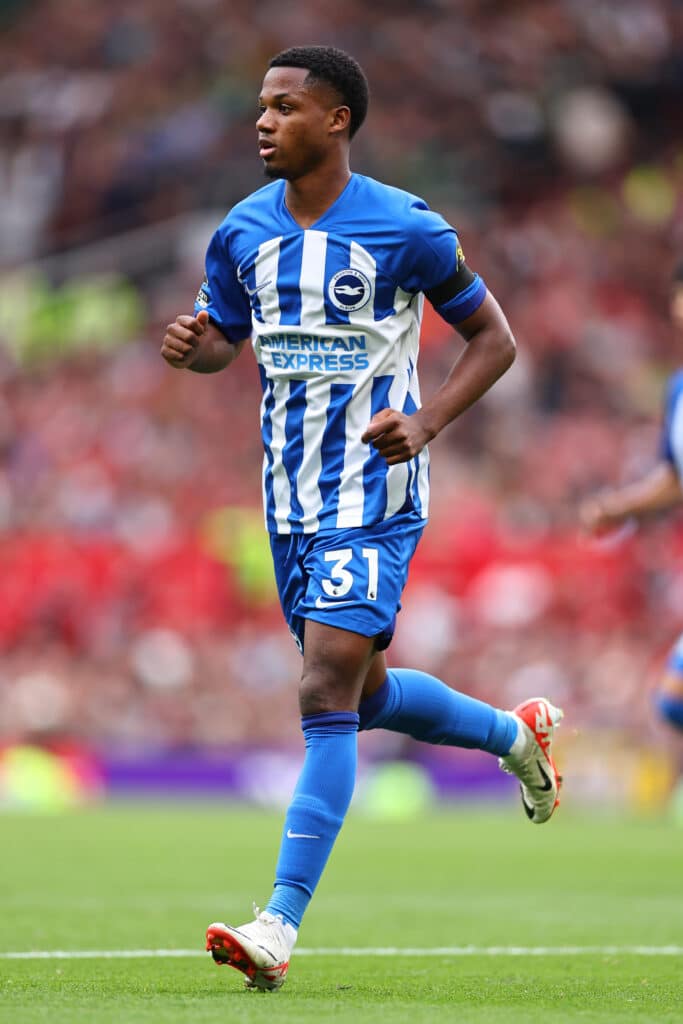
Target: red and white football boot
531,758
260,949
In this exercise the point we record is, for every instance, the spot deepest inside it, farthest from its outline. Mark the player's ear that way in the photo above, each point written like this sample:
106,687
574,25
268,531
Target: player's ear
340,120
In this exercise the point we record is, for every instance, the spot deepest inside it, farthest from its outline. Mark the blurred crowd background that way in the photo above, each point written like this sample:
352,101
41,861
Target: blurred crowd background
137,608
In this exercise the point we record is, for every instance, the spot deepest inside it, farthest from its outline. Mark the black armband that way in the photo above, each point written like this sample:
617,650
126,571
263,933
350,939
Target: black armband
452,286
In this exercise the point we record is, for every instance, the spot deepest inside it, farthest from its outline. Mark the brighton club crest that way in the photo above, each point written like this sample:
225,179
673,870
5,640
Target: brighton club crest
349,290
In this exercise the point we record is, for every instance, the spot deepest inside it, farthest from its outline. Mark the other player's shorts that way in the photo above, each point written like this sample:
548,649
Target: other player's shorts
351,579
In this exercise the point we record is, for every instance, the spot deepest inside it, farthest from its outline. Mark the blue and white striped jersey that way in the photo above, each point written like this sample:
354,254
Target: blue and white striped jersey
334,313
672,430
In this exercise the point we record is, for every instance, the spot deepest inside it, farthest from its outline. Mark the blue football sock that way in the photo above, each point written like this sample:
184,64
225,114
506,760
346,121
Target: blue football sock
427,709
670,708
315,815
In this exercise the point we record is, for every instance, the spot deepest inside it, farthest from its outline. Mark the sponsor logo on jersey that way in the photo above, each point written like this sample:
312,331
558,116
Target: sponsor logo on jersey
349,290
315,352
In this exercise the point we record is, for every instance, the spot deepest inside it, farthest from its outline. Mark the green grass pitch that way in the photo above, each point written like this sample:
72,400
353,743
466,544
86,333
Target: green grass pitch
149,877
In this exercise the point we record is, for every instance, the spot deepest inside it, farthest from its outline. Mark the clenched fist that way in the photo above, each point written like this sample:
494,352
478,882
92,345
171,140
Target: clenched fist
180,346
396,436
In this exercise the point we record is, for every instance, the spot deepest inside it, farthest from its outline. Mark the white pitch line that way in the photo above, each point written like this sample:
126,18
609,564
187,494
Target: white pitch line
377,951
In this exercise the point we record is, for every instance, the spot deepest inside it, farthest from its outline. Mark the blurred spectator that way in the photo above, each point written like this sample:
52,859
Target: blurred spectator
135,602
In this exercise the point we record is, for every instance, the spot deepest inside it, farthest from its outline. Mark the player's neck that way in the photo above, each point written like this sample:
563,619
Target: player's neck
309,197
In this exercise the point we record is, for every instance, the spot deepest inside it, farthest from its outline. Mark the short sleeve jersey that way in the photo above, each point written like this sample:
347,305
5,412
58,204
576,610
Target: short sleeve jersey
334,315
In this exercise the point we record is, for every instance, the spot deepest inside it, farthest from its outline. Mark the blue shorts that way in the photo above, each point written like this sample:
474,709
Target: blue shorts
351,579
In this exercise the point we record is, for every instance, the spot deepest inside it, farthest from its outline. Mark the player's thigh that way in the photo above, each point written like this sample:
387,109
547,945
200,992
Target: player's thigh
340,592
336,663
338,660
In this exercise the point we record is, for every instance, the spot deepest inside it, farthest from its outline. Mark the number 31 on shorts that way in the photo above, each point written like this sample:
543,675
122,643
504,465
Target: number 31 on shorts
341,580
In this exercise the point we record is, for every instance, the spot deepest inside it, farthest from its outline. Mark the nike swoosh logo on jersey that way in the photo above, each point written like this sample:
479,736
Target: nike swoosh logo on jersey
321,603
300,835
259,288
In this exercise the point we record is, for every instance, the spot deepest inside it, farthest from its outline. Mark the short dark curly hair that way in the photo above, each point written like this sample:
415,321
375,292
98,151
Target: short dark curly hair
338,69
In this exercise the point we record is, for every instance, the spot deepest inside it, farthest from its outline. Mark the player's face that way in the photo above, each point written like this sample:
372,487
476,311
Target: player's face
677,307
297,123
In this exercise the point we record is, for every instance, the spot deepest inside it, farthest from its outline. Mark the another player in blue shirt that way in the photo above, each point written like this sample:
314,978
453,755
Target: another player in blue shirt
325,273
659,490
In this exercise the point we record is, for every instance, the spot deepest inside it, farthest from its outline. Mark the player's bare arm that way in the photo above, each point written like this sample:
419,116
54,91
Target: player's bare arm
194,343
656,492
489,353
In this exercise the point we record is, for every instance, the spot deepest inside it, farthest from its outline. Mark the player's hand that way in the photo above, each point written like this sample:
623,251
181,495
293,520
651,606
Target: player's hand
180,346
596,516
396,436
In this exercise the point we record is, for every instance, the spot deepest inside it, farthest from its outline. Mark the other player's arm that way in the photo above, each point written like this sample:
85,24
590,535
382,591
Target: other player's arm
656,492
489,353
194,343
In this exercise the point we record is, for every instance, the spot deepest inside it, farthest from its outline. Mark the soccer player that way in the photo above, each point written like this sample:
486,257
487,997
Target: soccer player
325,270
660,489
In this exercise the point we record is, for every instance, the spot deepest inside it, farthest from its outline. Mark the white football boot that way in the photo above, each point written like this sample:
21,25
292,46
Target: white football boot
260,949
531,758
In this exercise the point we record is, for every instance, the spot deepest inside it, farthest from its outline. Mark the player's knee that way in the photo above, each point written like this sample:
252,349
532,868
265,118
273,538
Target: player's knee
670,708
327,686
314,700
323,692
335,666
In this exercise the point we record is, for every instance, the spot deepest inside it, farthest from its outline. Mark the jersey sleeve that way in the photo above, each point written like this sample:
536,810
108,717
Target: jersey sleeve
437,266
221,293
671,400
